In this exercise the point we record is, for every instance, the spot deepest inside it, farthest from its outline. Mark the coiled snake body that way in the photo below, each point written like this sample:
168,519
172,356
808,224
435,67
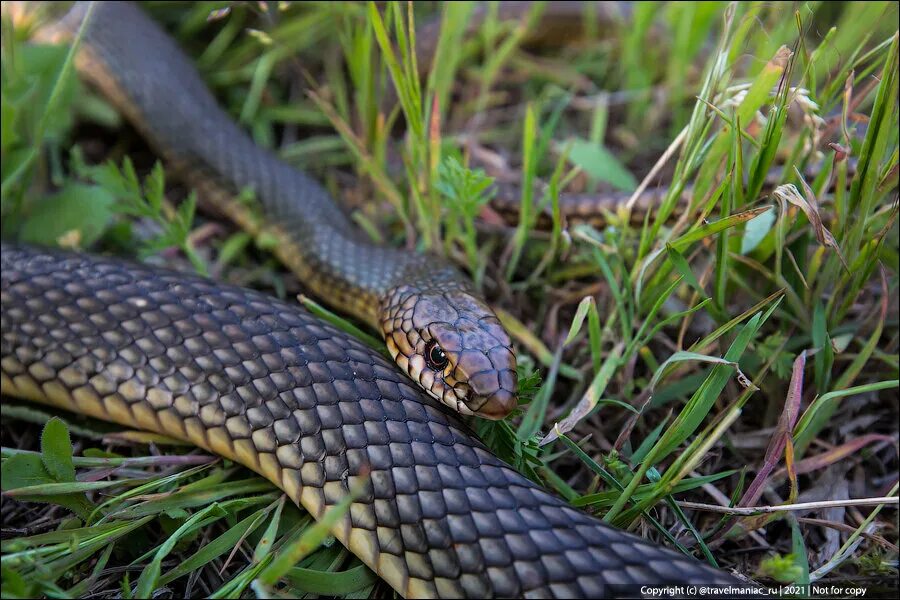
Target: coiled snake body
264,383
316,412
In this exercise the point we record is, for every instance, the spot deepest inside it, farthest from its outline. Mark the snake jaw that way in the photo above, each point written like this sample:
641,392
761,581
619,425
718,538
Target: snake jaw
477,372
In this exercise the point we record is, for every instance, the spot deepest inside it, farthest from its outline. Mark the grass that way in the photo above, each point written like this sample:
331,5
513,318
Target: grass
737,351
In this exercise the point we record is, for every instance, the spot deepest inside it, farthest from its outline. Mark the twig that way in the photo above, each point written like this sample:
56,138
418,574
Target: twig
759,510
850,529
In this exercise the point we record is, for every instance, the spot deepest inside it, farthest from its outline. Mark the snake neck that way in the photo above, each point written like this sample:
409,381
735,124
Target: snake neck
441,334
141,70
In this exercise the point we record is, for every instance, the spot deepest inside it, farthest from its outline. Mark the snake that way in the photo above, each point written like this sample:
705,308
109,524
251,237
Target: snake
437,329
317,412
260,381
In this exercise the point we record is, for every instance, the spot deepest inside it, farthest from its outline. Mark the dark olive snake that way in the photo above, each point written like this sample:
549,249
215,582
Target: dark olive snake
439,332
310,408
316,412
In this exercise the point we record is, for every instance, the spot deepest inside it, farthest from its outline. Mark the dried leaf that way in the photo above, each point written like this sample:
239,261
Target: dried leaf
779,442
810,207
838,453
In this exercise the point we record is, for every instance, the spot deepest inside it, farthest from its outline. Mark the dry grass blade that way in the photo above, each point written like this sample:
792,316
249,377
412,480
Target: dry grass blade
808,204
749,511
782,434
589,400
838,453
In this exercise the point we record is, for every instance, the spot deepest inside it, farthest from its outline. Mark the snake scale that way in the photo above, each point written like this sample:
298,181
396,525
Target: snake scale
266,384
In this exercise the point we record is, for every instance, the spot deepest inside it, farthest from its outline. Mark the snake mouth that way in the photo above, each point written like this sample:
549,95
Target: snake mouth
498,405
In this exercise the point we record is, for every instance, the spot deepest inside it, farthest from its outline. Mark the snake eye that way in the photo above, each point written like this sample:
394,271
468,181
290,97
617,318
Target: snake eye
435,357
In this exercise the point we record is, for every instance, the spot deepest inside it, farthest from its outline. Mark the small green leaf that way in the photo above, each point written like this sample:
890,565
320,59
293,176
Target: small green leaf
824,358
185,216
26,476
264,546
54,488
577,321
684,268
683,355
467,189
56,451
801,557
327,583
757,229
155,185
537,409
714,227
233,246
601,164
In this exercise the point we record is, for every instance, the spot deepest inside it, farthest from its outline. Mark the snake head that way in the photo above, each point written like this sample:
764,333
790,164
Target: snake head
452,344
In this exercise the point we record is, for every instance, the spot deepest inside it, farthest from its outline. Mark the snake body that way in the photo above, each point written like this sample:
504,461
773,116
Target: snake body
316,412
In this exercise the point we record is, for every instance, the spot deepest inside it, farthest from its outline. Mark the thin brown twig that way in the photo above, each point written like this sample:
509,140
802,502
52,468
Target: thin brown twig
849,529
